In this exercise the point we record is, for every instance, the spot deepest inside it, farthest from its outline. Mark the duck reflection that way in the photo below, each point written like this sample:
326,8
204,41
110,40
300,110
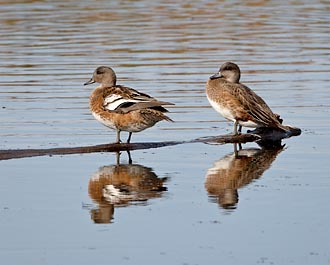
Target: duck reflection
122,185
237,170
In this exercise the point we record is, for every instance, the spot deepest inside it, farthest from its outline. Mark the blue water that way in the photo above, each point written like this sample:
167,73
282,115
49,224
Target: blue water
279,212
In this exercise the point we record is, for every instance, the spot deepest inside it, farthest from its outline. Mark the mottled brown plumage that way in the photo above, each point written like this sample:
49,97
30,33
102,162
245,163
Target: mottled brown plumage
122,108
238,103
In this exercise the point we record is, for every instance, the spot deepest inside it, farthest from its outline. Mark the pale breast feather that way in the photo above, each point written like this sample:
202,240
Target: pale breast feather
225,112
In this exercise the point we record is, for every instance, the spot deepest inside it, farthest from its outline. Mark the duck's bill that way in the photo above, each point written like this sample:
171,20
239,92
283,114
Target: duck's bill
91,81
215,76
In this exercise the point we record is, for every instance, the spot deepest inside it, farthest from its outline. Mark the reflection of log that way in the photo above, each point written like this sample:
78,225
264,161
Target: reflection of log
264,136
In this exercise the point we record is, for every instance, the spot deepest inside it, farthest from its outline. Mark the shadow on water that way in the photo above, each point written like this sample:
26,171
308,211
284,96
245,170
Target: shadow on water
236,170
121,185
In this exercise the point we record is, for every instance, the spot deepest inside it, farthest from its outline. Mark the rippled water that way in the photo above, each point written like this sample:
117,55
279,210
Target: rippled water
185,204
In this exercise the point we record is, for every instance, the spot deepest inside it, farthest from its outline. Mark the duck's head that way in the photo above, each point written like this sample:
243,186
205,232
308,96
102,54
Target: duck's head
103,75
228,71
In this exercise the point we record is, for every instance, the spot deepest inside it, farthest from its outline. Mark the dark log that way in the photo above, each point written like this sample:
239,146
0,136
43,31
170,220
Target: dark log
262,136
115,147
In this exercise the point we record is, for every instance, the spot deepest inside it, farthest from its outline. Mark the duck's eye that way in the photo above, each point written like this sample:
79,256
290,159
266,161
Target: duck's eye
99,71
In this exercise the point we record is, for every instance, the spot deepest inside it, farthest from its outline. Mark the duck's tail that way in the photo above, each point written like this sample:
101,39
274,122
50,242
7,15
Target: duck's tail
291,131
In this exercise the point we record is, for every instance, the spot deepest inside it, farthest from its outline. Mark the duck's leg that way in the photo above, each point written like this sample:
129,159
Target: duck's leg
129,137
235,128
118,136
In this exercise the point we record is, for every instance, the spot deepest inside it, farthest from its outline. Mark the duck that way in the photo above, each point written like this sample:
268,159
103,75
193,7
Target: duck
122,108
238,103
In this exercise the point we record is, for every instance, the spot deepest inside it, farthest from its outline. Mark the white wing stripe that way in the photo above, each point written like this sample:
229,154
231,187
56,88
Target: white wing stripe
117,103
111,99
112,102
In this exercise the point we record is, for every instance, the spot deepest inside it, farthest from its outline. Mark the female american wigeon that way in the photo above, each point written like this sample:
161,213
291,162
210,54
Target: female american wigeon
238,103
122,108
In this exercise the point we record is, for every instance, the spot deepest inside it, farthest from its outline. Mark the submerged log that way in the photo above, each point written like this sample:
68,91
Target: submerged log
263,136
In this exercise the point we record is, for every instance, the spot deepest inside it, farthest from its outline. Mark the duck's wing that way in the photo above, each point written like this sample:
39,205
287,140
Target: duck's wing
122,99
254,105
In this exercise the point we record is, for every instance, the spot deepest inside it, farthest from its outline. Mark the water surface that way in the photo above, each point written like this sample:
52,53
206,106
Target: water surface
185,204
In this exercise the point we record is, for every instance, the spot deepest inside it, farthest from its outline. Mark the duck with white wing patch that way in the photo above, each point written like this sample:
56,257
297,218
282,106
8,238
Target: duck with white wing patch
122,108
